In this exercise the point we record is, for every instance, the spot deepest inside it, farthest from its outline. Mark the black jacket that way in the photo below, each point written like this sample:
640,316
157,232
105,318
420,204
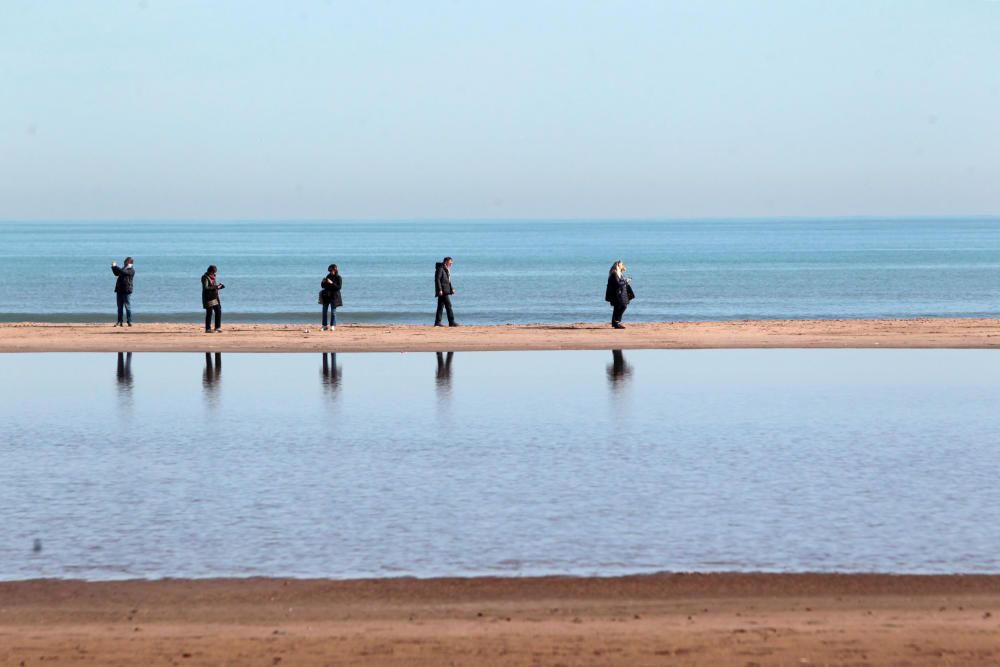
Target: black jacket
124,283
617,292
442,280
331,290
208,293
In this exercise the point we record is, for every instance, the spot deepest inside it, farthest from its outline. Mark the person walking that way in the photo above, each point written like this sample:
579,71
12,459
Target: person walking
618,293
330,296
443,290
210,299
123,289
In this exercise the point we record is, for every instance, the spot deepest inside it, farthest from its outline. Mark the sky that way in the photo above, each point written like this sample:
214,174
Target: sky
167,110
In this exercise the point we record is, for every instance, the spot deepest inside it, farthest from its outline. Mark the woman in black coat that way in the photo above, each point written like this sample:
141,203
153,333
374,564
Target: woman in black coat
618,294
210,299
331,296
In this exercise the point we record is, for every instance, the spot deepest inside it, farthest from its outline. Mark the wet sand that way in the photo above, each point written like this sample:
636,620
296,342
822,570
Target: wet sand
712,619
916,333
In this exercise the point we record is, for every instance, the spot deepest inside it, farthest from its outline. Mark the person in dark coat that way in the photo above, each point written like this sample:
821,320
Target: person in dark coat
443,291
210,299
123,289
618,293
331,296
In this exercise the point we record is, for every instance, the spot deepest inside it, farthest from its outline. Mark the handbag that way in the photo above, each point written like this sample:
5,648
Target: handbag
319,299
628,290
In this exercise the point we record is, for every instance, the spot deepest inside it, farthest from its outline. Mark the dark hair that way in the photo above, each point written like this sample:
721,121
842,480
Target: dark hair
446,260
332,268
128,260
212,268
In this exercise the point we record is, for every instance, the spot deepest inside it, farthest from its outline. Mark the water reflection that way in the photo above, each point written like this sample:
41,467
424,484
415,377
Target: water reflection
619,371
124,377
482,479
443,376
331,373
124,371
212,375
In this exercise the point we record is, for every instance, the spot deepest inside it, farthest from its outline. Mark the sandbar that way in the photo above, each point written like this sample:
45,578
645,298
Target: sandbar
686,619
242,337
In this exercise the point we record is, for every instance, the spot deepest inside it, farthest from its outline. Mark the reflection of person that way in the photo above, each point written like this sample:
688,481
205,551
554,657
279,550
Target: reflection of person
443,290
125,370
331,372
331,295
443,375
618,370
123,289
212,372
618,293
210,299
442,378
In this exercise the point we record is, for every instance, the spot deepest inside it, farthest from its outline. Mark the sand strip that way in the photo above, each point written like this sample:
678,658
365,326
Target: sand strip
916,333
713,619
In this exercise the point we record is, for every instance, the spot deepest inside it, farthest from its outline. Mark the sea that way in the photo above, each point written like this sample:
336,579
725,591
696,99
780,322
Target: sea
509,271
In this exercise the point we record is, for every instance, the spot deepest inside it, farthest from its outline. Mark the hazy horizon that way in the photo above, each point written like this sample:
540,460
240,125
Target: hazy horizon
380,111
523,220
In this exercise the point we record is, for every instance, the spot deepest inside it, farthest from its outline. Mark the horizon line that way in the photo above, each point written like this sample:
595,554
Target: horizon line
457,219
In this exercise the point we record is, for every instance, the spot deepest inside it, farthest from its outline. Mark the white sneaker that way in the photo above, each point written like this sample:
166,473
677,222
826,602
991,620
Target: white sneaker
333,328
324,328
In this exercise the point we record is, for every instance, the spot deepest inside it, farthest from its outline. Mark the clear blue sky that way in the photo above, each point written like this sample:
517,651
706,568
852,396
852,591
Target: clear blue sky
155,109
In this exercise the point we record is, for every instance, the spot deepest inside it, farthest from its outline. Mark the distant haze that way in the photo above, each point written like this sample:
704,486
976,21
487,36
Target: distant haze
575,109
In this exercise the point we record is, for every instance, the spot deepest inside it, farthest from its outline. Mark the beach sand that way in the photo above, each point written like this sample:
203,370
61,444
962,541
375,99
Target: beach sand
916,333
688,619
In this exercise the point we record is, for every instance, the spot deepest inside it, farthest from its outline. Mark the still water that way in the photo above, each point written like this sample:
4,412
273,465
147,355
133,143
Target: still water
514,463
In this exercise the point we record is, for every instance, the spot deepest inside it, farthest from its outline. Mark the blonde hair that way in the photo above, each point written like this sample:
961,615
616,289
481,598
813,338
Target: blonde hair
618,268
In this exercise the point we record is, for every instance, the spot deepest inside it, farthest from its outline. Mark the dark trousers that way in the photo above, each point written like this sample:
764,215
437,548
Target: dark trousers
124,303
616,314
444,303
218,317
333,314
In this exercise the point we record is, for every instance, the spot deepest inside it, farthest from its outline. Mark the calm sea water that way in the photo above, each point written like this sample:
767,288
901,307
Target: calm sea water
151,465
510,271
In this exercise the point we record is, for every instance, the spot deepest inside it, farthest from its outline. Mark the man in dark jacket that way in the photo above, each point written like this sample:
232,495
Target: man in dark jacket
443,290
123,289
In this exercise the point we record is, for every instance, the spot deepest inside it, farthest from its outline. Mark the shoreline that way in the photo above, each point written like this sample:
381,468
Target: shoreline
930,333
694,619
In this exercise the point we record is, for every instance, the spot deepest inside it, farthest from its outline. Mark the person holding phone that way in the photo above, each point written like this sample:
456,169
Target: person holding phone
210,299
123,289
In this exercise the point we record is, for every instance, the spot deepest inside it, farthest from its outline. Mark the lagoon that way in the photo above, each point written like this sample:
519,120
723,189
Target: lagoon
516,463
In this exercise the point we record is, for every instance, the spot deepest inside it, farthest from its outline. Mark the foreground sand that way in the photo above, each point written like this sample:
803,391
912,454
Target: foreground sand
922,333
715,619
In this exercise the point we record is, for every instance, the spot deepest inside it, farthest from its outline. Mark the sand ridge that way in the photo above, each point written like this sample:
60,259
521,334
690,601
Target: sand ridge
688,619
912,333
